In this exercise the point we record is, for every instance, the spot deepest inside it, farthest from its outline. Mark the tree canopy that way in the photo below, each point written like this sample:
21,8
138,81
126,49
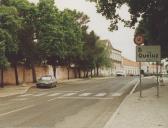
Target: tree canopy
152,14
37,34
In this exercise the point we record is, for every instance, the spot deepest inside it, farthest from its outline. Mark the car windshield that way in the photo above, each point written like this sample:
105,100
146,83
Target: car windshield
46,78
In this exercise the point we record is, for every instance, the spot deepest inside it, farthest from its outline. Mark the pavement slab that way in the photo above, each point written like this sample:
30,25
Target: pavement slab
149,111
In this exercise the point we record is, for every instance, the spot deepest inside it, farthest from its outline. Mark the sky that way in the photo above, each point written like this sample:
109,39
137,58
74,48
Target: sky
121,39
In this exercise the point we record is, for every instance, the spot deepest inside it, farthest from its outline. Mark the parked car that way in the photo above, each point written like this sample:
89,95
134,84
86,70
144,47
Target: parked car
46,81
120,73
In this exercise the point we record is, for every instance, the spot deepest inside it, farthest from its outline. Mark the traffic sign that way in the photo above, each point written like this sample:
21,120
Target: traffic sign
139,39
148,53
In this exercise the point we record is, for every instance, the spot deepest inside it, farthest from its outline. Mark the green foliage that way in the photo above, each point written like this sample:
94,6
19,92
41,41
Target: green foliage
95,53
5,38
102,53
41,34
152,14
50,33
9,25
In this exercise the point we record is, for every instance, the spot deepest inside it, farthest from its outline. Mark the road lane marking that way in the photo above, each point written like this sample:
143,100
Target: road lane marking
41,94
101,94
69,94
52,99
16,110
85,94
5,104
19,99
117,94
87,98
135,86
66,91
54,94
24,95
82,90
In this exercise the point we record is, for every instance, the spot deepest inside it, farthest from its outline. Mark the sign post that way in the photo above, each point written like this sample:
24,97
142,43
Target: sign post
149,54
157,80
140,80
139,40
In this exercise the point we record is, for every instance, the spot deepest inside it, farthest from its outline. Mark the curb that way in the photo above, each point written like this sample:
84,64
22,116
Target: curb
13,94
108,124
82,79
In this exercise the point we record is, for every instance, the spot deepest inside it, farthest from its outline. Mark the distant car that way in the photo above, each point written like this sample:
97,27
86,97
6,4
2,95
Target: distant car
46,81
120,73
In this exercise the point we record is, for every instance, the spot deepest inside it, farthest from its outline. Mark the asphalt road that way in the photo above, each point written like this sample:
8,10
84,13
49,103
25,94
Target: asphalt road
80,104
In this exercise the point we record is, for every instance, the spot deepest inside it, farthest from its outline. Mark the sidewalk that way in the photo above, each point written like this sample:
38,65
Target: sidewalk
10,90
146,112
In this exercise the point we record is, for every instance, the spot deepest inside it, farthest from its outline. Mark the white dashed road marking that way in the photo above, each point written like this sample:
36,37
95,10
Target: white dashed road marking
24,95
117,94
16,110
41,94
101,94
69,94
54,94
85,94
86,98
20,99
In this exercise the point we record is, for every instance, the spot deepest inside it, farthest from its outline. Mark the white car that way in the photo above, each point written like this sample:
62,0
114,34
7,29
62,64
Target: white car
120,73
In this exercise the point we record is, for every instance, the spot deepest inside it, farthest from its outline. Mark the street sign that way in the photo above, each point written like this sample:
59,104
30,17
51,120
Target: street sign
139,40
148,53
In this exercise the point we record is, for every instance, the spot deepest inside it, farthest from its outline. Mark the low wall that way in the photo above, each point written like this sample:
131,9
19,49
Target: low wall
25,74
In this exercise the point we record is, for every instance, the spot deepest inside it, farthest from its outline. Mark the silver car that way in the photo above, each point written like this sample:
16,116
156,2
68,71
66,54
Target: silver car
47,81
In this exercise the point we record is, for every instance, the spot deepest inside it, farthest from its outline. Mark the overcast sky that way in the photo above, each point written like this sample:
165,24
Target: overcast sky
121,39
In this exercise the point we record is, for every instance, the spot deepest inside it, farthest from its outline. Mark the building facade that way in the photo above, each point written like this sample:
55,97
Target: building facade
116,61
130,67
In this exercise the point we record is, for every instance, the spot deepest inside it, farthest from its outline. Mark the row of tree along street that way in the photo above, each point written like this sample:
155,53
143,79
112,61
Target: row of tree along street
41,34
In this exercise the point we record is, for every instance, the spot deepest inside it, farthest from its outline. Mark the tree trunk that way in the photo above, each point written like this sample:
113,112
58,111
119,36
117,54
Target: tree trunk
94,71
87,73
75,72
79,73
97,71
2,79
33,73
16,74
68,72
84,75
91,73
54,71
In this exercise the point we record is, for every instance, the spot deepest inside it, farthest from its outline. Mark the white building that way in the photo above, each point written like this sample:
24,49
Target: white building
130,67
116,60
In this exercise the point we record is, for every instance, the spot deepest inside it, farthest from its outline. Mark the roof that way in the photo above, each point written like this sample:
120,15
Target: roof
108,42
127,62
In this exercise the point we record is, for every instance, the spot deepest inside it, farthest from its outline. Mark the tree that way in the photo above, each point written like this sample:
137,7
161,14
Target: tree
102,55
4,38
72,37
9,25
82,21
50,34
27,34
152,15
